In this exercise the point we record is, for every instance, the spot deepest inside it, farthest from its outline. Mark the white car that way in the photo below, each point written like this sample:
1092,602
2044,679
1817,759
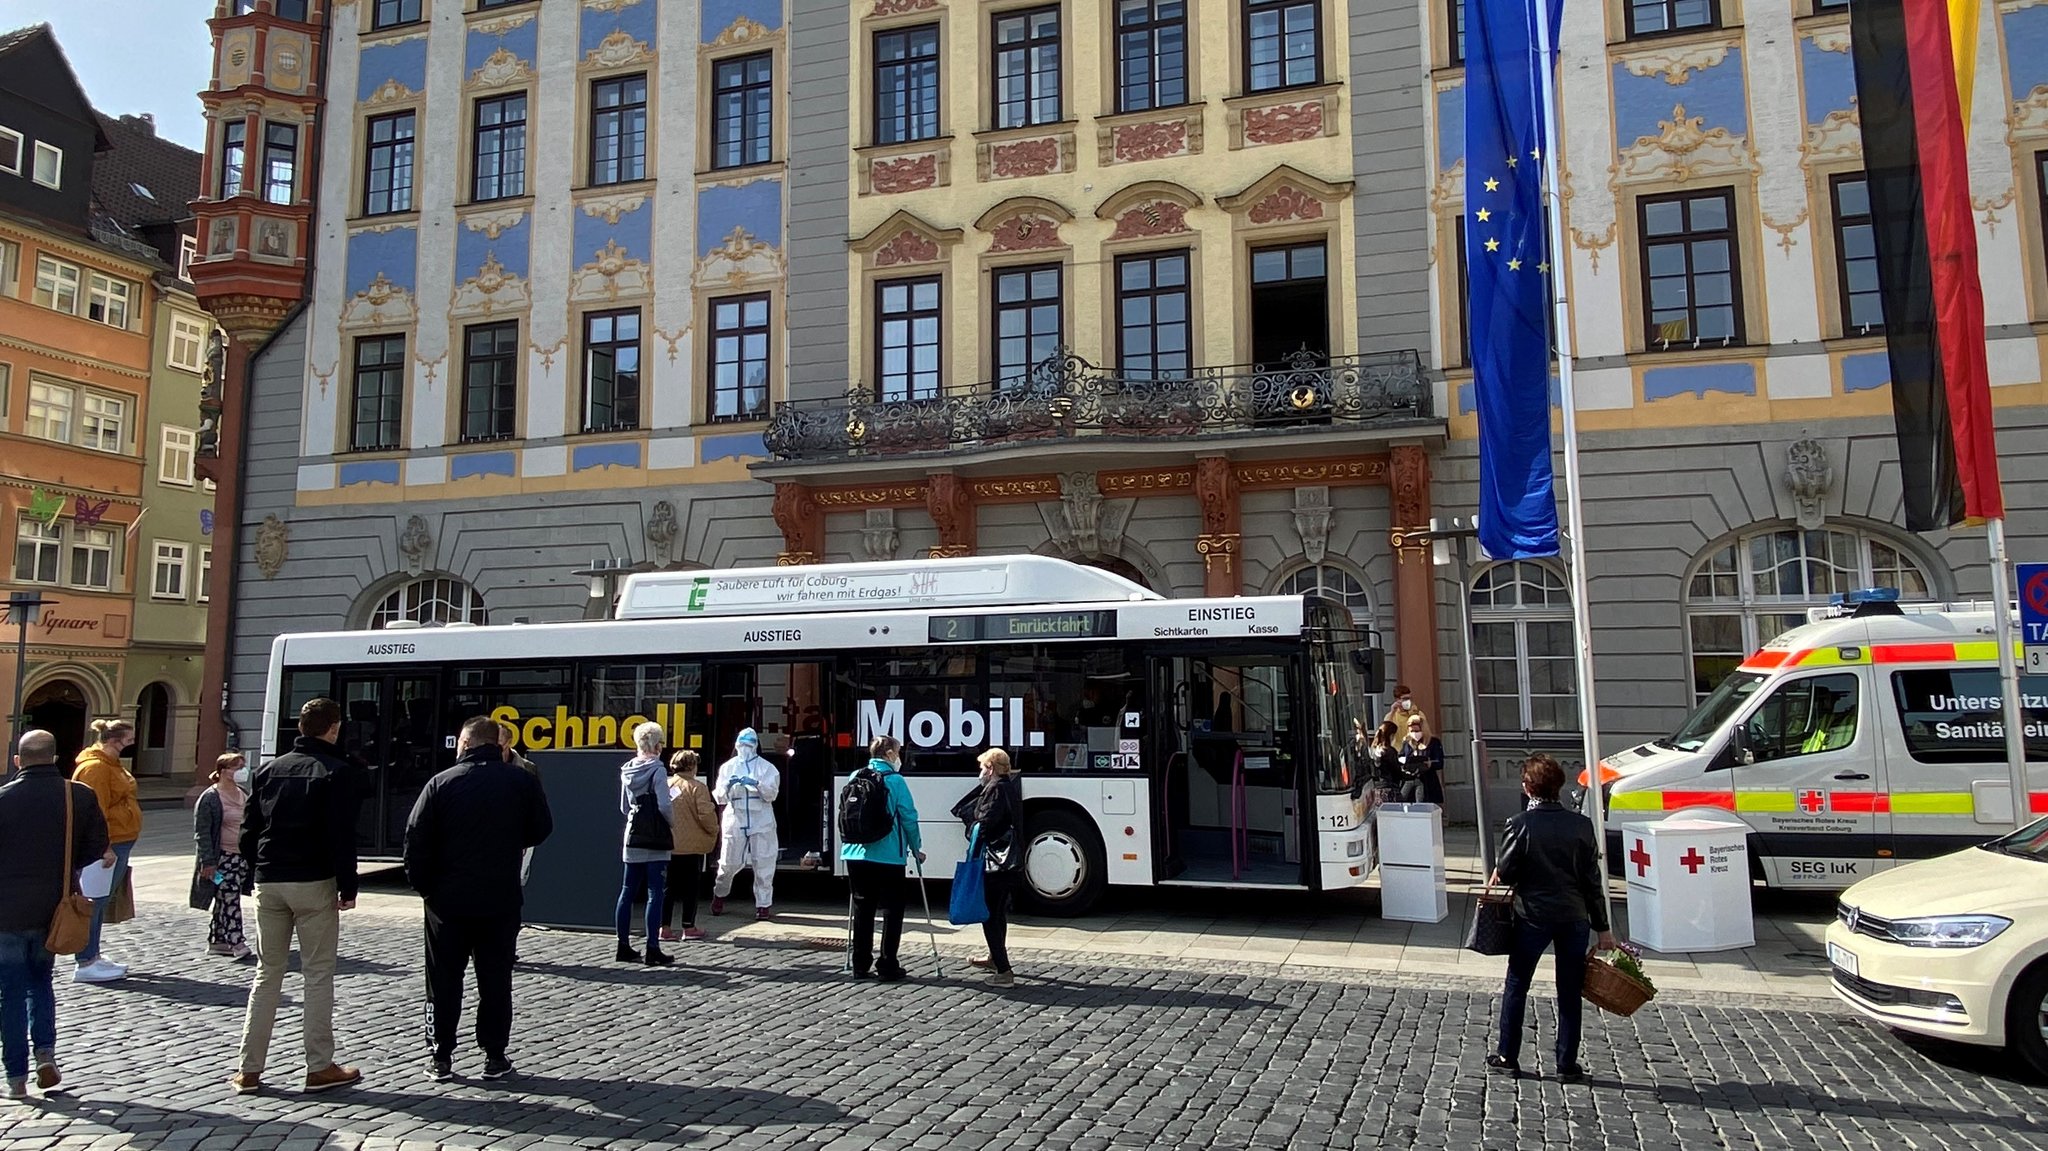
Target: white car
1955,947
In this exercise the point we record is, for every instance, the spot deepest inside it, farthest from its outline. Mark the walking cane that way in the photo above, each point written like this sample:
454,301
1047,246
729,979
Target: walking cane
938,967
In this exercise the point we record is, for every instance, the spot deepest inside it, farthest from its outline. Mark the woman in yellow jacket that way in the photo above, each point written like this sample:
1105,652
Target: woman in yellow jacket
100,768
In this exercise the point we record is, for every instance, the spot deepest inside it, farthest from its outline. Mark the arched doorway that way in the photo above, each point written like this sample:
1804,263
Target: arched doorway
153,731
60,707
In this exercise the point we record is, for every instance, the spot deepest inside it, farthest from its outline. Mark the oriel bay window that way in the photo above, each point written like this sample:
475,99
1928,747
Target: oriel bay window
611,370
1151,54
1856,255
907,84
377,404
1690,269
618,130
907,339
388,165
1027,322
280,162
1283,42
498,148
739,358
742,111
1027,67
1152,316
490,381
234,151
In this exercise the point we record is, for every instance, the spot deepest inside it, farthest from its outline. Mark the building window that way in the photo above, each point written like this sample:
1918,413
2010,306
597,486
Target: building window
188,343
907,84
1151,54
1027,71
1689,262
38,550
742,111
428,601
1524,663
107,301
379,394
102,423
1856,255
168,579
907,340
280,162
1457,32
1283,44
10,151
387,182
1464,300
188,251
92,558
49,165
1652,17
611,371
51,409
293,10
1330,582
490,381
391,13
174,460
1152,316
10,268
204,579
57,285
1028,322
498,152
739,358
234,150
618,130
1746,593
1290,304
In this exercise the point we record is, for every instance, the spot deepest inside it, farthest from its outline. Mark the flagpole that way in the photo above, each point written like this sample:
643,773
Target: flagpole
2008,673
1561,327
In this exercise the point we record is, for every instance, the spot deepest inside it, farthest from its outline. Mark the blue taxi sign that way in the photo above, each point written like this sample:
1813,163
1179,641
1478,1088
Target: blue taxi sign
2034,616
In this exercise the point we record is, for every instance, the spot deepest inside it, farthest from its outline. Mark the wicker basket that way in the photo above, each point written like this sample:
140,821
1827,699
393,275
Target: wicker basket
1612,991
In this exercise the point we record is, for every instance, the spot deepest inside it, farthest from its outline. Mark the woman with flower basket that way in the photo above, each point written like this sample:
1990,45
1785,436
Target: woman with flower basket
1548,857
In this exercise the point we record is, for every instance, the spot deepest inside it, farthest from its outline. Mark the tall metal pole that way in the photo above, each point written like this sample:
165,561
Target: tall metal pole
1561,326
21,608
2008,673
1477,747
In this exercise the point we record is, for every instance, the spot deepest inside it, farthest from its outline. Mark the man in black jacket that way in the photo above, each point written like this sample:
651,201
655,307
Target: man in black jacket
463,846
299,835
32,880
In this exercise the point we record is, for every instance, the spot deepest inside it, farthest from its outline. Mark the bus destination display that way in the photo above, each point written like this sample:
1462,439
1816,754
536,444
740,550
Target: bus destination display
1016,626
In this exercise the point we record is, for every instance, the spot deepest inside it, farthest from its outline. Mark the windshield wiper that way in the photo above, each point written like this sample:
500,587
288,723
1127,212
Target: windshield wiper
1665,743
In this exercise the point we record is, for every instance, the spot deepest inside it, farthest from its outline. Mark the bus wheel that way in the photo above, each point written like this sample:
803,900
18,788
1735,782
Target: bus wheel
2026,1018
1063,865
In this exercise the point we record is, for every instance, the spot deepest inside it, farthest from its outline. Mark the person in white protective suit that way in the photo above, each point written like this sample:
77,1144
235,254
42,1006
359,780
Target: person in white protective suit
746,788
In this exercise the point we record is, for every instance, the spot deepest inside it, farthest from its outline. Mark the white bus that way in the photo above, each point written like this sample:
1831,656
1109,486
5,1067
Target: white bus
1162,741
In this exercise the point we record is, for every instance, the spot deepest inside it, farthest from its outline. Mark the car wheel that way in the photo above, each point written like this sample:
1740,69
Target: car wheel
2026,1019
1064,868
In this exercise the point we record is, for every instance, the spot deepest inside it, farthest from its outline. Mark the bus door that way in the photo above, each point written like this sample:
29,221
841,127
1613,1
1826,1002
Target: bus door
1809,781
393,723
1228,808
786,705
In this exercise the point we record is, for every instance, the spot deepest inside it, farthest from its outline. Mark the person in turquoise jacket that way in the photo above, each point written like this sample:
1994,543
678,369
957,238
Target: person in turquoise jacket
875,870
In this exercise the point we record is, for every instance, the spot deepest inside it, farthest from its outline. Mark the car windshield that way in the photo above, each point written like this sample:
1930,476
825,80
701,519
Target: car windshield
1713,712
2029,842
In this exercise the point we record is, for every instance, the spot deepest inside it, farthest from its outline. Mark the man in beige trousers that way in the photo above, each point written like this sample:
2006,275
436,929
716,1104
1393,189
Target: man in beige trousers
299,836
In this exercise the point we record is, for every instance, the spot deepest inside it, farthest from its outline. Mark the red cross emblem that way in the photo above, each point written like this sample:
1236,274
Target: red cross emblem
1813,802
1641,858
1692,860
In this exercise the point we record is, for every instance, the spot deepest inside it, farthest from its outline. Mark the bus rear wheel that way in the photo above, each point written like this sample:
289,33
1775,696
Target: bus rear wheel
1064,868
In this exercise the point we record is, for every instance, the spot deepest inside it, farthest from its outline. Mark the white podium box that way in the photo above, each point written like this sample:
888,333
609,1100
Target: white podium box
1411,839
1688,885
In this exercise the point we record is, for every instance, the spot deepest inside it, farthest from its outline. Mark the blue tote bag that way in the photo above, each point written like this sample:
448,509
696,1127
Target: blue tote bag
970,896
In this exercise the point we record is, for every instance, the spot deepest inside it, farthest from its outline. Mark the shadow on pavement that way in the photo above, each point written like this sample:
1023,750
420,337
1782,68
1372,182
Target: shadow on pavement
1990,1062
611,971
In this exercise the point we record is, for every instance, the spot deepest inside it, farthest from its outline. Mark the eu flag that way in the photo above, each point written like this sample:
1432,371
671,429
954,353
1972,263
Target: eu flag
1508,259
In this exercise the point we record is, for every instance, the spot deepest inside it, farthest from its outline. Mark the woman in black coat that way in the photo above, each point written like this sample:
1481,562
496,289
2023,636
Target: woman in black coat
996,810
1548,858
1421,756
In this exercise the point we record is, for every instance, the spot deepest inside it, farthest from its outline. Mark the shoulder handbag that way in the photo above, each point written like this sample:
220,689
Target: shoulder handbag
1493,922
646,830
71,923
970,895
203,888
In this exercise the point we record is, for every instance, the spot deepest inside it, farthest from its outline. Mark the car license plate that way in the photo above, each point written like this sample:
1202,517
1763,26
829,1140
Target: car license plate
1842,957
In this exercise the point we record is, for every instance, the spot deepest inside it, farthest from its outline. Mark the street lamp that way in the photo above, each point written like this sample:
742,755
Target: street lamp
604,576
22,607
1448,547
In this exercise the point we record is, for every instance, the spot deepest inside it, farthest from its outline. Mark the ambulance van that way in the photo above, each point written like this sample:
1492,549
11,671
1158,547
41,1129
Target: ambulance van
1847,745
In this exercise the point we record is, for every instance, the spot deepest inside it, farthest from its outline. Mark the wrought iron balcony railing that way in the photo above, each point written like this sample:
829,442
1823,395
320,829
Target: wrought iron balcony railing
1066,397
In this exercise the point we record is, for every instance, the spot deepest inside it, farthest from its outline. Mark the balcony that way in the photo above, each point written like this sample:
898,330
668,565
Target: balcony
1066,401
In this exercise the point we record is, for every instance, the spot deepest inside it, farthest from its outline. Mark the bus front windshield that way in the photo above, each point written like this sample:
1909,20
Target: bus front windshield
1339,692
1713,712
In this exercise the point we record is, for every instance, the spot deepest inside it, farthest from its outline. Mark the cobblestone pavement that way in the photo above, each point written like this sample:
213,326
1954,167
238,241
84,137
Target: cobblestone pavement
755,1047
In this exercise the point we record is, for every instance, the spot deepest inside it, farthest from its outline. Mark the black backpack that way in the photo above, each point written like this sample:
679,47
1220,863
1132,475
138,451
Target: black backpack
864,815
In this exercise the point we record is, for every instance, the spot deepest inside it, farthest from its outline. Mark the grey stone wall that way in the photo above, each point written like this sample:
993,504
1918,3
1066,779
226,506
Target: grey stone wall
1389,90
818,191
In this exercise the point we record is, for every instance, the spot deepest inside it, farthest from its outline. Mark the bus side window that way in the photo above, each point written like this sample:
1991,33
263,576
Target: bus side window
1804,717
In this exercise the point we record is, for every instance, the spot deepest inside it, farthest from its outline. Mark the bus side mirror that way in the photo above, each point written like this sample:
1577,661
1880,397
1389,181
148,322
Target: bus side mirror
1371,663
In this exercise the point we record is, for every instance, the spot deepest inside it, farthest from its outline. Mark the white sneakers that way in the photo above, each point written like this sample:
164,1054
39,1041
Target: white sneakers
101,970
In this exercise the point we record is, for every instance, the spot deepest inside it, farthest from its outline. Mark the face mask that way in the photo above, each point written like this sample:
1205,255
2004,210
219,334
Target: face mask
242,777
1405,701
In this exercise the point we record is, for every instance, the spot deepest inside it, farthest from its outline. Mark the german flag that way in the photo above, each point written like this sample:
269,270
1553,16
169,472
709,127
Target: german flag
1914,62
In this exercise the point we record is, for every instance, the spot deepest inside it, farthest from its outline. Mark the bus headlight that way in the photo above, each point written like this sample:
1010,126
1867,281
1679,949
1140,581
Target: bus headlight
1949,930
